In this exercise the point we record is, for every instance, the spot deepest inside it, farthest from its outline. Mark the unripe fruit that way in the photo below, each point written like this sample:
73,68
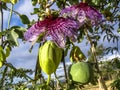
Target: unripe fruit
80,72
50,56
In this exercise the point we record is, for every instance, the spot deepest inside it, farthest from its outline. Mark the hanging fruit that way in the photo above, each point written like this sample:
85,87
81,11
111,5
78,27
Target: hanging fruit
50,56
80,72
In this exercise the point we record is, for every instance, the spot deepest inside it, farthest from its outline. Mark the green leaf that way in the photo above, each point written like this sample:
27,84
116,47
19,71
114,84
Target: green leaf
6,1
4,6
24,19
19,30
13,36
118,30
34,2
8,49
2,54
96,2
73,2
60,3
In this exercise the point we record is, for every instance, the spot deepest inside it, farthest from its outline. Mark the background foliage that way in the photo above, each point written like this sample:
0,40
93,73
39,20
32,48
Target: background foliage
19,79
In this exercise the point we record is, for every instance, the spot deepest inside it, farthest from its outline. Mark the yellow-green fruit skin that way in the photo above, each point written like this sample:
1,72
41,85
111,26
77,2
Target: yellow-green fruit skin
80,72
50,56
1,64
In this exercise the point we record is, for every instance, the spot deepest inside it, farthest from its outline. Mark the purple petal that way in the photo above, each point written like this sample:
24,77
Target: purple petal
58,29
33,33
83,13
61,28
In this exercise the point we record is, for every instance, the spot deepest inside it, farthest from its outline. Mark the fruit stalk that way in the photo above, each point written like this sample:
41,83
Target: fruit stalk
65,70
48,80
10,16
50,56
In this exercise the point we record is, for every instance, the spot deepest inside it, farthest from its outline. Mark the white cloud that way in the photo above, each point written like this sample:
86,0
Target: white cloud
5,18
20,56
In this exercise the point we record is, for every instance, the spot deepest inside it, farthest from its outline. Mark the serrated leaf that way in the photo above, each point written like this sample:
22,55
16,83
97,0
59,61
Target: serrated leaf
24,19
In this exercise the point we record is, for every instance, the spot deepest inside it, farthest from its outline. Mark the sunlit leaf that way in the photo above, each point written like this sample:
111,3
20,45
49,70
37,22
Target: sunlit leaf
13,36
19,30
96,2
118,30
7,51
1,64
2,54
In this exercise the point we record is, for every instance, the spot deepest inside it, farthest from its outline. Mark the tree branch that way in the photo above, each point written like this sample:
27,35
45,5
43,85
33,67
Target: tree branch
1,22
10,16
100,80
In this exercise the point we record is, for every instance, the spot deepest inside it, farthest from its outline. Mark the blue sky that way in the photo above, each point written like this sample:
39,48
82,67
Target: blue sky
20,56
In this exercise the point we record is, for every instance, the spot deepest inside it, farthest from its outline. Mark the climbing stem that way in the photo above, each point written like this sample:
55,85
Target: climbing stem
92,48
58,82
3,77
10,15
64,66
100,80
1,21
